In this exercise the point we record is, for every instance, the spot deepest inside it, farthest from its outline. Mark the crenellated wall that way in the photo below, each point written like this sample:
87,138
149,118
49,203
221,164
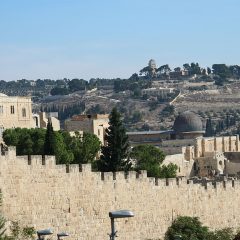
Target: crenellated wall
37,192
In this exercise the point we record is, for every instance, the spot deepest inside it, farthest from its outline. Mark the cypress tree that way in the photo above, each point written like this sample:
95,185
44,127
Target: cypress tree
49,143
227,121
209,128
115,154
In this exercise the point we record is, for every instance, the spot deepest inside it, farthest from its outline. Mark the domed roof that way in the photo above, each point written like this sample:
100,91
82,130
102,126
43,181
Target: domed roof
152,63
187,122
3,95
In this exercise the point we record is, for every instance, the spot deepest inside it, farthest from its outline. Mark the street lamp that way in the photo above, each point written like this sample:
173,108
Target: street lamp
42,233
45,232
118,214
61,235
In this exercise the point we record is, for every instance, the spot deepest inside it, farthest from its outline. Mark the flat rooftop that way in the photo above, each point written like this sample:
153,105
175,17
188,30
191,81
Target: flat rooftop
149,132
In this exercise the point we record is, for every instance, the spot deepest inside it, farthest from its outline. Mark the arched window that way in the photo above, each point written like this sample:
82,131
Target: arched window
24,112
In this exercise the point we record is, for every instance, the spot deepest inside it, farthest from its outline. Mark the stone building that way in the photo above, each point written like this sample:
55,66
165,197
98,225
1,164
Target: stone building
15,112
157,92
95,124
41,120
209,157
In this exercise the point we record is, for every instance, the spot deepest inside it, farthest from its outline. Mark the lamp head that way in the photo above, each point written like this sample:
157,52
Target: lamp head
44,232
62,234
121,214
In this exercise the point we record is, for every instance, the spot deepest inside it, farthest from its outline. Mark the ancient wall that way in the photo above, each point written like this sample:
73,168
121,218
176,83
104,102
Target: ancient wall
37,192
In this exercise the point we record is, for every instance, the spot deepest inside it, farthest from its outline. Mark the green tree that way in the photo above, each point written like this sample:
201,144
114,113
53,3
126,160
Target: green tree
115,154
2,227
164,69
49,143
150,158
10,137
168,171
20,233
189,228
221,70
87,148
62,151
209,71
222,234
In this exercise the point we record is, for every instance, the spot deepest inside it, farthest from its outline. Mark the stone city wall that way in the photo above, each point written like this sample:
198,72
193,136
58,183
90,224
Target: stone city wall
41,194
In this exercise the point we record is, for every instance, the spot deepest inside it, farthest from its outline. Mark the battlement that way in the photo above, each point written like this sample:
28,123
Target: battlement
73,198
41,164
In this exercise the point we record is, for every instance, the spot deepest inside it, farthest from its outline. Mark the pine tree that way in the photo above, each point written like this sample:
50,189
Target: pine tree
227,121
115,154
49,144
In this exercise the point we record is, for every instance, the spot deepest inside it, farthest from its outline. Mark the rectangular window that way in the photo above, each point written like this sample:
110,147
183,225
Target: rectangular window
1,109
24,112
12,109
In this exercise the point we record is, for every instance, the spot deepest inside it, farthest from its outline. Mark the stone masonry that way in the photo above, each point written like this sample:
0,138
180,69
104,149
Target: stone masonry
39,193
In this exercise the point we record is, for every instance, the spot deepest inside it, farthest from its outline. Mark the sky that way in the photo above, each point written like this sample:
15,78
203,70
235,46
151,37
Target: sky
113,38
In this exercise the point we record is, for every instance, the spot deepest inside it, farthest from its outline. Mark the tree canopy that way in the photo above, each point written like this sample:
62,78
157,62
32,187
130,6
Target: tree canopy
67,149
190,228
150,158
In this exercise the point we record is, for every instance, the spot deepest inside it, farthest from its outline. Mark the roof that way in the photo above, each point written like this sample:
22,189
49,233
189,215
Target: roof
149,132
188,122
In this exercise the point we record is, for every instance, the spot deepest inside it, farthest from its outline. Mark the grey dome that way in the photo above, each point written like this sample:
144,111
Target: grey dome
187,122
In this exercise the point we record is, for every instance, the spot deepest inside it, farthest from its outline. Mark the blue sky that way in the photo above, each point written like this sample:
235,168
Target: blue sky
113,38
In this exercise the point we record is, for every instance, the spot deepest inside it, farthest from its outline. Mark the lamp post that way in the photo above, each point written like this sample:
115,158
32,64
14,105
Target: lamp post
118,214
42,233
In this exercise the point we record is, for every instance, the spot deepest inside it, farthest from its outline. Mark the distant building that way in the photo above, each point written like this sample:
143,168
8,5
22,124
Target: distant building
178,74
153,67
95,124
41,120
16,112
155,92
152,64
187,126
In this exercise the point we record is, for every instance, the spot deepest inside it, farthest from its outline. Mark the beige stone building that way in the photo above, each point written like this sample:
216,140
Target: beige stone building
209,157
15,112
155,92
95,124
41,120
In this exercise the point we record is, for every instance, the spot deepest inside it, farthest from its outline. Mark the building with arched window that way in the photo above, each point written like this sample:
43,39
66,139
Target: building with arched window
15,112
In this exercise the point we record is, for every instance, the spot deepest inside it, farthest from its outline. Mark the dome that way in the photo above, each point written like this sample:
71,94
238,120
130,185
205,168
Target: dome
187,122
3,95
152,64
